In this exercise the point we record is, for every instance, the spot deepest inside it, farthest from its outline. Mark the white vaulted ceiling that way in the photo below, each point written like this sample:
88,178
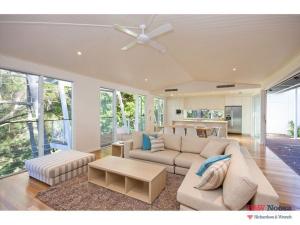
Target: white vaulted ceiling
201,47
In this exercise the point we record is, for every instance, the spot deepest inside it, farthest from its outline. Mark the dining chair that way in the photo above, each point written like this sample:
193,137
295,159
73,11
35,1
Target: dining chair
191,131
216,131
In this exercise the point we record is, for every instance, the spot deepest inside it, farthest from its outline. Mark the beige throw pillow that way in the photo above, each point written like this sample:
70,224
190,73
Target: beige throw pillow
214,176
213,148
172,141
238,186
137,138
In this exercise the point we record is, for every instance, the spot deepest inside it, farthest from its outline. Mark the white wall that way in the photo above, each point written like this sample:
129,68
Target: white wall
280,110
86,103
211,102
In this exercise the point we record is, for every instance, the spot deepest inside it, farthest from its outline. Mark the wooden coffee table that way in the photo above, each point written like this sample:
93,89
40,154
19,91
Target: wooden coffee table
140,180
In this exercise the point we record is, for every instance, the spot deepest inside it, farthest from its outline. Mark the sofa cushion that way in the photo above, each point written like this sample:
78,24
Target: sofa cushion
199,199
181,170
164,157
187,159
137,138
210,161
146,142
193,144
238,186
213,148
172,141
157,144
214,175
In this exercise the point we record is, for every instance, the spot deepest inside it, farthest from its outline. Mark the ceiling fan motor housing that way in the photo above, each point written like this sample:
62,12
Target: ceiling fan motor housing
142,39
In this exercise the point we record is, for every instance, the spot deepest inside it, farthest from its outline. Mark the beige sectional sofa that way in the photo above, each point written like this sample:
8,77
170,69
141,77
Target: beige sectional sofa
243,181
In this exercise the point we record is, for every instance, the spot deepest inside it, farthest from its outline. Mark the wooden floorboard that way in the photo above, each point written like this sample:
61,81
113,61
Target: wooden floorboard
18,192
283,179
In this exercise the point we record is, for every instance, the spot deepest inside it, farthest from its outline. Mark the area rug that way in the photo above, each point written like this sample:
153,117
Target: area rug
286,149
78,194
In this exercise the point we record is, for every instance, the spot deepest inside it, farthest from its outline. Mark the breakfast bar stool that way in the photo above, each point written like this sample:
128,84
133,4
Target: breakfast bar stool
216,131
191,132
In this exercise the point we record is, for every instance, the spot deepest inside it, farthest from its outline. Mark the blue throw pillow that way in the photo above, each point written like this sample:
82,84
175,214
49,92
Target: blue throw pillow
146,142
211,160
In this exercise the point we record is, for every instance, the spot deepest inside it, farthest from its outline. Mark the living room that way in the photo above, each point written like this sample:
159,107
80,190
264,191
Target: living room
149,112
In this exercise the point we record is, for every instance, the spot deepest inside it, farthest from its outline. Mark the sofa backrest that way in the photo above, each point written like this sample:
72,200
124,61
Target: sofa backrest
172,142
193,144
238,186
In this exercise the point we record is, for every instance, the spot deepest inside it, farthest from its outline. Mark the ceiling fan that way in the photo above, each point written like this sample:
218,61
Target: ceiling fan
145,39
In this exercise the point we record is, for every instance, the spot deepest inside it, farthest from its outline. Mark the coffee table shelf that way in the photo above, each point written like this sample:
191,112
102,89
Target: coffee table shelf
139,180
97,176
137,189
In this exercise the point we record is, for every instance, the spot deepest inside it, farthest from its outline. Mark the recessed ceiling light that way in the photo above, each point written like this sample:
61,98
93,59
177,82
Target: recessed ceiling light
234,69
171,95
79,53
146,79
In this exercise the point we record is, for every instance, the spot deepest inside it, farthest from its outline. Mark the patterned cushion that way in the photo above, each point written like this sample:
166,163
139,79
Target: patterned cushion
157,144
214,175
208,162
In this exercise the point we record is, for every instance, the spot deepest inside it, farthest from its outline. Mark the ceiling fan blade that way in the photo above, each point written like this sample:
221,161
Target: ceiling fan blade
125,30
130,45
160,30
157,46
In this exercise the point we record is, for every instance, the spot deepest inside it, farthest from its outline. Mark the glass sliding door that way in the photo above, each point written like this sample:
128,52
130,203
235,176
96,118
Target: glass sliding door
159,107
126,107
18,120
121,113
107,116
35,118
57,97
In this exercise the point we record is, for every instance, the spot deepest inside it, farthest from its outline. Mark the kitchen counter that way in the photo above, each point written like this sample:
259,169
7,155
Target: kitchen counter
207,123
200,121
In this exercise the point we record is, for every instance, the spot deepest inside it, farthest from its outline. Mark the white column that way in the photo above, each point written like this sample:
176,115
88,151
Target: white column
114,115
64,107
263,113
296,112
41,116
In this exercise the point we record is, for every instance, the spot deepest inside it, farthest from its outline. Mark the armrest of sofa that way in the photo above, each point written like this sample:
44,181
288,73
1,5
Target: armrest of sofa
128,145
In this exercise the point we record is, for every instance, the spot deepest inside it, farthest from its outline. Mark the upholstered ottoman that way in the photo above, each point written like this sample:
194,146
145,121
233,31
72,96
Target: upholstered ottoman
55,168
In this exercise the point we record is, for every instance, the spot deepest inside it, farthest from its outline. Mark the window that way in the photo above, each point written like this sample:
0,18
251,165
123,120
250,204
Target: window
126,107
204,114
121,113
57,98
23,133
158,113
